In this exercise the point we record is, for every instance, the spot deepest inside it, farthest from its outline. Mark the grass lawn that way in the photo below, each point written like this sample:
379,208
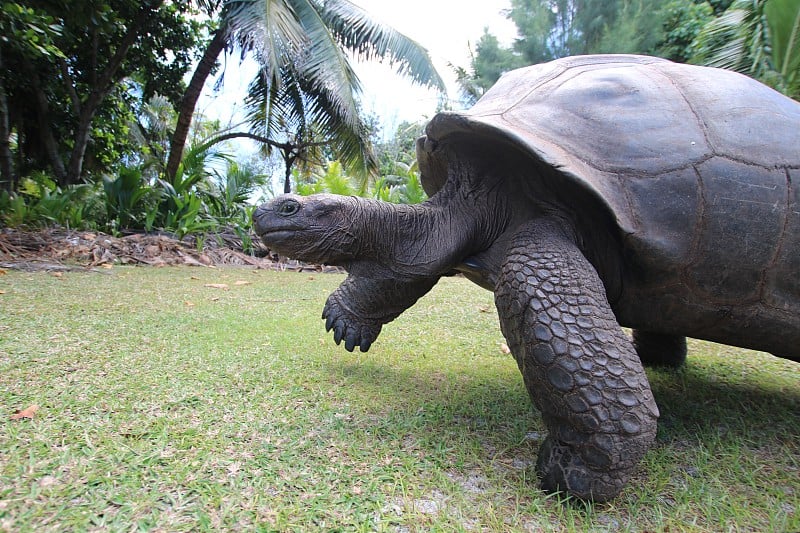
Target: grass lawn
165,404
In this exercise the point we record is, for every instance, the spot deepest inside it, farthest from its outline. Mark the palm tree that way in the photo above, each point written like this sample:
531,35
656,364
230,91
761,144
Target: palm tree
760,38
304,97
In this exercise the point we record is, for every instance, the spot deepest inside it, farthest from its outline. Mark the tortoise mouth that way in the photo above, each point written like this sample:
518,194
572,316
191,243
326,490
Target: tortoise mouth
277,235
271,227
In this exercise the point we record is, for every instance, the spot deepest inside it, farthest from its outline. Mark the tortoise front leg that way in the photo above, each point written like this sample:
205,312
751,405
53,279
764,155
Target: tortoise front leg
357,310
579,367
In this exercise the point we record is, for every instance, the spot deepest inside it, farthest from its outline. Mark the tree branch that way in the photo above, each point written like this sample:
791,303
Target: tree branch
265,140
70,85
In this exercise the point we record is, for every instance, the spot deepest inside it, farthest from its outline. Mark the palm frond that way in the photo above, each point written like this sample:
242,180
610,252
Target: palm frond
270,28
324,63
306,92
723,42
348,140
783,17
275,108
370,40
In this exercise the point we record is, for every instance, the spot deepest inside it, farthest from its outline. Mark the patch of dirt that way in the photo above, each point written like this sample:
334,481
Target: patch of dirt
58,249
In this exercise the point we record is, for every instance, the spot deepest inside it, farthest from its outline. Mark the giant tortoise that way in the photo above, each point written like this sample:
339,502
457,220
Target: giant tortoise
588,193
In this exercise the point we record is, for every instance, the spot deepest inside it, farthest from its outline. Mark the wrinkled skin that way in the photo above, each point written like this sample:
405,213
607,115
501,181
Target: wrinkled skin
580,369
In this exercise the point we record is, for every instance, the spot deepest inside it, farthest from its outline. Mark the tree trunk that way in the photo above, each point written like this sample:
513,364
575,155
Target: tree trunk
104,85
6,160
289,157
46,136
81,139
189,100
287,179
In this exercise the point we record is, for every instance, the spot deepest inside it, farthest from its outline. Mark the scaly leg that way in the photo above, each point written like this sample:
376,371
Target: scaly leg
579,367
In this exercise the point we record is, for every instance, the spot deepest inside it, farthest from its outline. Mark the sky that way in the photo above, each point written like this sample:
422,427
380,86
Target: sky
447,28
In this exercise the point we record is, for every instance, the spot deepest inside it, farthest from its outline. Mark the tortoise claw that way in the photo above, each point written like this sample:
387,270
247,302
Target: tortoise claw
338,333
350,342
365,344
347,327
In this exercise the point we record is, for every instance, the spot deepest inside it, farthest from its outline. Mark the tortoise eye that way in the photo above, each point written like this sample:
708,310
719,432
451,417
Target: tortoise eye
288,208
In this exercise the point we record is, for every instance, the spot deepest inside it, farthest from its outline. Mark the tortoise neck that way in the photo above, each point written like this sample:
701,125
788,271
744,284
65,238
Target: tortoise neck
423,240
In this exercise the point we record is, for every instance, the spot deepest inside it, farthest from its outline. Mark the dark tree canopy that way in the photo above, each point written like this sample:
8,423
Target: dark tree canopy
70,103
550,29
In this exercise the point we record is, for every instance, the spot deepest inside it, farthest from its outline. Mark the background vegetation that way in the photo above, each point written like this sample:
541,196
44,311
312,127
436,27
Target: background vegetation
95,114
234,410
97,122
758,37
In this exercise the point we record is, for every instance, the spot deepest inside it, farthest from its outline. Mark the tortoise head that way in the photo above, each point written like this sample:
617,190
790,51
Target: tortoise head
373,238
316,229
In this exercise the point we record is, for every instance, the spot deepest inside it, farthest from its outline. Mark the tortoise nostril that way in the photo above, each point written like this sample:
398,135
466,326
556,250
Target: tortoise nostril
258,213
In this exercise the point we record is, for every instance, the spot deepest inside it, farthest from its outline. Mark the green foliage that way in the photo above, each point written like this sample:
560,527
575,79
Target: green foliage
333,181
210,194
637,28
549,29
186,214
126,197
783,20
758,37
38,201
233,188
29,31
403,187
683,21
489,62
181,206
75,72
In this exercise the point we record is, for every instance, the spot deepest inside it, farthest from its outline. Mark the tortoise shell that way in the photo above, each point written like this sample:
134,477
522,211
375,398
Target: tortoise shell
698,167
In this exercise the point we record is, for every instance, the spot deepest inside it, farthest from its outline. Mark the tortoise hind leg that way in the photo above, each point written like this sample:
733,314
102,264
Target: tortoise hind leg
579,367
656,349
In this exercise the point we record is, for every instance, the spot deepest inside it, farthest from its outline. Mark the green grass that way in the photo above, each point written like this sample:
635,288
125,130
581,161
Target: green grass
167,405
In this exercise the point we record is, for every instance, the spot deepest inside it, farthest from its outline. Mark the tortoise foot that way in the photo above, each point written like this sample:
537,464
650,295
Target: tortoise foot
358,309
348,326
562,469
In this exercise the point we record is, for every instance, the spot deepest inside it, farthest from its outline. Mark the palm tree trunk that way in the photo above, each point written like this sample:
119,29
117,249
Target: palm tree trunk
190,98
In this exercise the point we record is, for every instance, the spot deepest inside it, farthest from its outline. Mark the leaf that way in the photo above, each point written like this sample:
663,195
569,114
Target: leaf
783,17
187,303
28,412
3,271
223,286
241,282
